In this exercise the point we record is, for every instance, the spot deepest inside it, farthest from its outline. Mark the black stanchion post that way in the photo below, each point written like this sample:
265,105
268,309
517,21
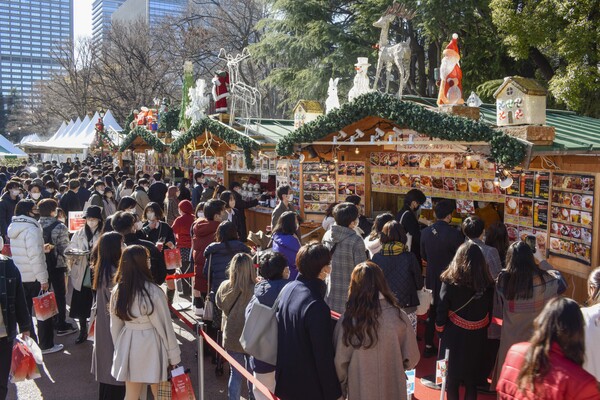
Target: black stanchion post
200,343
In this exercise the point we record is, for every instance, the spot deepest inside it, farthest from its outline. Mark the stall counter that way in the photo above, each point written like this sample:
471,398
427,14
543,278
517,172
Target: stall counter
258,218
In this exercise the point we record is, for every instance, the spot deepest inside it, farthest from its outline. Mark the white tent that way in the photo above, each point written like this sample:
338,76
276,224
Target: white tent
8,150
33,137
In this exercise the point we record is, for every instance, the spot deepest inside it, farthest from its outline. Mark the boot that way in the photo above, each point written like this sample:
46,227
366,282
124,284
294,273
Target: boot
82,331
170,296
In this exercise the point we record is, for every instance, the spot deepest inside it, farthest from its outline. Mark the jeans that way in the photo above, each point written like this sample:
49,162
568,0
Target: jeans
45,329
234,386
5,360
56,278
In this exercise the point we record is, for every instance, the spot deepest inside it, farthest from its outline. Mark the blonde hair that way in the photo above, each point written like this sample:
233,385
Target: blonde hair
241,272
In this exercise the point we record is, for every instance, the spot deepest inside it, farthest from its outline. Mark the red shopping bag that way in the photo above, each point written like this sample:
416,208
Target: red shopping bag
181,385
45,306
23,365
6,250
173,258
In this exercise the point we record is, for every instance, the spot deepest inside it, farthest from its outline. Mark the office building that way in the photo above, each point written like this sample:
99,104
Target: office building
151,11
102,11
29,30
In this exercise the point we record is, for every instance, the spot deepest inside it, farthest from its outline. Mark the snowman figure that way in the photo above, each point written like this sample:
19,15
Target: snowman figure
361,80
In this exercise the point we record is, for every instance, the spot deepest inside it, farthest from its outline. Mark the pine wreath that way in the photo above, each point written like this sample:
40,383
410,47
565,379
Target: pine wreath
148,137
224,132
504,149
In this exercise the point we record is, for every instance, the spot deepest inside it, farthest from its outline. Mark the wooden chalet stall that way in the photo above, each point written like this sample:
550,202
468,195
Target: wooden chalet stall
244,153
143,150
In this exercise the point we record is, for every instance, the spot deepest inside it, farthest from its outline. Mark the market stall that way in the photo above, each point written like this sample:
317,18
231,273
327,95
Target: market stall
379,147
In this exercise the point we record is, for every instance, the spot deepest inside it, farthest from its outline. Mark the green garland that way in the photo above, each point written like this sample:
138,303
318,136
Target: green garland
127,129
169,120
150,138
105,140
505,149
224,132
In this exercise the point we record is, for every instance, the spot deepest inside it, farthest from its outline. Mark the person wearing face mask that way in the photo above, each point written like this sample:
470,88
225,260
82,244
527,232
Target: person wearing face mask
347,251
209,191
233,215
171,205
35,192
241,205
184,190
157,192
305,367
182,229
364,226
198,188
8,202
285,196
97,197
56,234
51,189
204,234
126,203
141,197
83,241
409,219
161,234
285,240
110,205
28,253
125,223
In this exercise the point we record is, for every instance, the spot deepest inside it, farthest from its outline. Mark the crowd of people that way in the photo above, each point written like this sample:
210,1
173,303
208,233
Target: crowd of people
112,272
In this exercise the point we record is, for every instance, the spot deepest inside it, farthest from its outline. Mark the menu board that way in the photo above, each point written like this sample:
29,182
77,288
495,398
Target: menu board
572,205
351,180
236,162
288,173
453,176
526,207
211,167
319,189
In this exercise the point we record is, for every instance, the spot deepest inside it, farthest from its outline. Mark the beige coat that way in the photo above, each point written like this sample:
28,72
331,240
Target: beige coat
233,304
378,373
146,345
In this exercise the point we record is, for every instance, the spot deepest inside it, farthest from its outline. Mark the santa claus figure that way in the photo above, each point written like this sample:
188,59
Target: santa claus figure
451,75
220,91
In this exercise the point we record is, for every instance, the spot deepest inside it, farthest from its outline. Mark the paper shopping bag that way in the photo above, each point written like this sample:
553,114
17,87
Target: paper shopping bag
6,250
172,259
23,365
181,385
45,306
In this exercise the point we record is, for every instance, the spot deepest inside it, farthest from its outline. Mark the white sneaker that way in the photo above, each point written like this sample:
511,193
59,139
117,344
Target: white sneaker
55,349
199,312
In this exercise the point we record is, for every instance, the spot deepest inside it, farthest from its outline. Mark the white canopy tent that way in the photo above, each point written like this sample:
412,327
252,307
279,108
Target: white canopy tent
8,150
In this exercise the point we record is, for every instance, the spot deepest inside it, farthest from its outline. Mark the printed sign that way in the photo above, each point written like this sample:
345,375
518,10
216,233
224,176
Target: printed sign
76,221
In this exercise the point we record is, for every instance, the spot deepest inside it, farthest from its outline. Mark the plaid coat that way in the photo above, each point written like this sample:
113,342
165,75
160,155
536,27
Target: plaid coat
349,251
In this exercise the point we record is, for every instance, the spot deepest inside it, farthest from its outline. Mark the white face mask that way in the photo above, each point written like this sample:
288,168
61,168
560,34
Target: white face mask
62,220
93,224
200,214
51,191
109,195
36,196
15,192
101,192
131,211
139,225
150,216
146,188
290,198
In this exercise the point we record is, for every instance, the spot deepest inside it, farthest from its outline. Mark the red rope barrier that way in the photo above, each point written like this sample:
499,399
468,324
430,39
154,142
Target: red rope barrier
180,276
232,362
337,316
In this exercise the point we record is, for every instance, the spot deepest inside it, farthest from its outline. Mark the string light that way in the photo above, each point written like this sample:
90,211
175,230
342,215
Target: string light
357,151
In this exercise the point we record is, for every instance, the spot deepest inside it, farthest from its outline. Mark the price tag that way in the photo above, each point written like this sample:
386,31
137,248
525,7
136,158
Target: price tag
264,177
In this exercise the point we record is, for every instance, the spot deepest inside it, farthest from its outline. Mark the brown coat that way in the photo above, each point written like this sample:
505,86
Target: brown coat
233,304
378,372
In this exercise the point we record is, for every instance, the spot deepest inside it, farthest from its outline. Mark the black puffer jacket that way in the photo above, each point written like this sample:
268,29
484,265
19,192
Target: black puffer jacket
403,275
12,299
218,255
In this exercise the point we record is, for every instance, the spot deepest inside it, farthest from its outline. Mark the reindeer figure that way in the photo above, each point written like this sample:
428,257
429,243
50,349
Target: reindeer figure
246,97
390,55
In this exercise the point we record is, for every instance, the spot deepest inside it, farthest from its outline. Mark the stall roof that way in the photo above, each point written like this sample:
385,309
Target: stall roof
575,134
268,131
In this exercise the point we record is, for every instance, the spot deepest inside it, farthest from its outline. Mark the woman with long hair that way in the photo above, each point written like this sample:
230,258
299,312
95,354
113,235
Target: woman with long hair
109,250
110,204
372,242
232,297
400,268
171,205
463,315
161,234
184,190
497,237
591,318
549,365
140,325
328,221
127,189
374,339
524,288
305,366
126,203
233,214
285,240
182,227
80,277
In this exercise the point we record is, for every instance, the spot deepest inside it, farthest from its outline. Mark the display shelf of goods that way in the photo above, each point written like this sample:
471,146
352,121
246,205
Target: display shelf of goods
150,138
318,188
504,149
225,133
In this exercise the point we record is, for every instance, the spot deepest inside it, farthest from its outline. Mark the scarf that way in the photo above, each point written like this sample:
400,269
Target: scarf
392,249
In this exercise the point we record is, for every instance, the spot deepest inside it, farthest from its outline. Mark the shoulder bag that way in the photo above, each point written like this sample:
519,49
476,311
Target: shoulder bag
408,235
259,337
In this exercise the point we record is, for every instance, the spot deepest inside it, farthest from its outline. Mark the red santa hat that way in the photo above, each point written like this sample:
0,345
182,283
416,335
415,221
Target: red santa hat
452,48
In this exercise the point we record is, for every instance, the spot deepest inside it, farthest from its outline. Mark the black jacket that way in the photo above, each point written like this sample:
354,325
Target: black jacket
12,299
196,195
7,210
439,243
305,366
157,261
71,202
157,193
365,225
410,223
219,255
84,195
241,205
403,275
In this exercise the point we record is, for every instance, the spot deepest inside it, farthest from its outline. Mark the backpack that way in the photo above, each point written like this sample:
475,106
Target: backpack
51,257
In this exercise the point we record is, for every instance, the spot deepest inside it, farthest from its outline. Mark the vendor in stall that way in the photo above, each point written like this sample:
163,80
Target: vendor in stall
241,205
487,212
